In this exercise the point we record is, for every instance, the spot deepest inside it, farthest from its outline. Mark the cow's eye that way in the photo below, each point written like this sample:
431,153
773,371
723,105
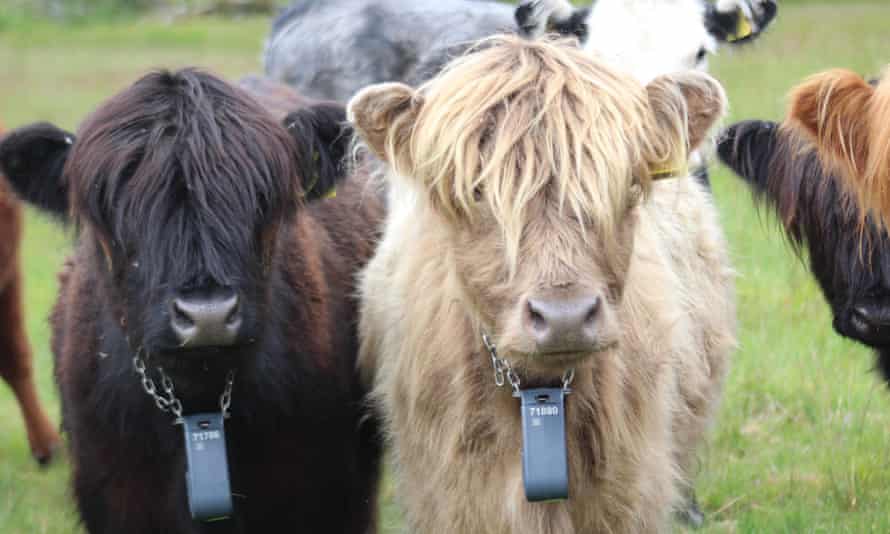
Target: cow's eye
636,194
477,193
700,56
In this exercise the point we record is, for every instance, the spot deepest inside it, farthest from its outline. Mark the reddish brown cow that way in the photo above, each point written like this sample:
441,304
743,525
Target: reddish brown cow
15,353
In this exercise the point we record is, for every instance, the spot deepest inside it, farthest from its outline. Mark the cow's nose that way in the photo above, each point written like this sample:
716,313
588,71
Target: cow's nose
560,325
206,319
873,316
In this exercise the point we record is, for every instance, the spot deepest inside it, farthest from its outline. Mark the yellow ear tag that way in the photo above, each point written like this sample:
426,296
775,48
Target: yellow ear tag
330,194
662,174
743,29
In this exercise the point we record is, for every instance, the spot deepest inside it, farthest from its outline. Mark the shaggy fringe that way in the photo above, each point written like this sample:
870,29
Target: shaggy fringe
510,116
205,137
850,121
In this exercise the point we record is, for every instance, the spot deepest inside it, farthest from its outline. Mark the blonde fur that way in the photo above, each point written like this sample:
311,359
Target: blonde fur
526,166
544,117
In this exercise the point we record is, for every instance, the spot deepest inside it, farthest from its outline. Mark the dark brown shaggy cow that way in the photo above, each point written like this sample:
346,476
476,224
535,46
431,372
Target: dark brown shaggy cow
15,353
206,248
847,255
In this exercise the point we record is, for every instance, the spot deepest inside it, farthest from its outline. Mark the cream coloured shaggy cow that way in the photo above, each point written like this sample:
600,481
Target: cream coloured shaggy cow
524,206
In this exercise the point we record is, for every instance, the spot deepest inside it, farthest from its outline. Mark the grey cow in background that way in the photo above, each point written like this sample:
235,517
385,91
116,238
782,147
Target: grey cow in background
329,49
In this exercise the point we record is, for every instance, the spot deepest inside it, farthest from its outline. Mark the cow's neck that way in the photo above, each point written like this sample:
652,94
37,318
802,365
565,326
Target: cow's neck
198,383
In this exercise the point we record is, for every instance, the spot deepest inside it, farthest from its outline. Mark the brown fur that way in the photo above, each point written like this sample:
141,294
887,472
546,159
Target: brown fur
129,485
15,353
849,119
240,204
445,272
277,98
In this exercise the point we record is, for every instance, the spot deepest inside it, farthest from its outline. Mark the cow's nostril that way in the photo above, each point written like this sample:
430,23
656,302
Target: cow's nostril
593,312
207,319
181,317
538,322
563,324
235,315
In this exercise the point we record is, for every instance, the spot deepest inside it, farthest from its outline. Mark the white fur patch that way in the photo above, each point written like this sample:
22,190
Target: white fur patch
649,38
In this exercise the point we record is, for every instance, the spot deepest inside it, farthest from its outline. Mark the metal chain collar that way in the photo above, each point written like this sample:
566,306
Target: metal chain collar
503,371
167,401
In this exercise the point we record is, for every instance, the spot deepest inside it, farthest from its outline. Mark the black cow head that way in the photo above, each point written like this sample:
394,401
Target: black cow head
181,185
738,21
850,261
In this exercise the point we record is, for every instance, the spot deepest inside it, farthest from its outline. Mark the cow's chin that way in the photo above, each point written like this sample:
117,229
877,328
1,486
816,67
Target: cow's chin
856,327
544,366
200,359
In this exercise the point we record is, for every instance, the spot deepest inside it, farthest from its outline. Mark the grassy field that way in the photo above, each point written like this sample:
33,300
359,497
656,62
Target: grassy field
801,442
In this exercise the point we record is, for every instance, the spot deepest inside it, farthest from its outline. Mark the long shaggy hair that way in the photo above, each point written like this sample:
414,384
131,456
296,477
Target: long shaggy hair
175,140
526,155
849,120
847,255
785,173
183,183
504,125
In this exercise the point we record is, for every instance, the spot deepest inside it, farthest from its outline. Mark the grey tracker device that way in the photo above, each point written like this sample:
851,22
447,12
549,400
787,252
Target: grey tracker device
207,467
545,470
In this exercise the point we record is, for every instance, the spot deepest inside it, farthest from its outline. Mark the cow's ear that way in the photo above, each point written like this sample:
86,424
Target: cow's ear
685,107
537,17
383,116
323,138
33,158
739,21
747,148
832,109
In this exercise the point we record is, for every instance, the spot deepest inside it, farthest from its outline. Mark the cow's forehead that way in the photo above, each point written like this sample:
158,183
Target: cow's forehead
649,38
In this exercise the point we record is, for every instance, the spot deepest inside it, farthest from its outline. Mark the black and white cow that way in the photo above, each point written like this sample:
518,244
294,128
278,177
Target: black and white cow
332,48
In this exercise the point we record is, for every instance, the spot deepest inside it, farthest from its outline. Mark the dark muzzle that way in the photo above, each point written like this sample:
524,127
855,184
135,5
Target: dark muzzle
206,319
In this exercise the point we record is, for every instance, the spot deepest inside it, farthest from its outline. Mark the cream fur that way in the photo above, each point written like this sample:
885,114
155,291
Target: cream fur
638,410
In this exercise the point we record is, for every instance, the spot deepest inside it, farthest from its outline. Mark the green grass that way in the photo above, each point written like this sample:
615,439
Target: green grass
800,445
801,439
